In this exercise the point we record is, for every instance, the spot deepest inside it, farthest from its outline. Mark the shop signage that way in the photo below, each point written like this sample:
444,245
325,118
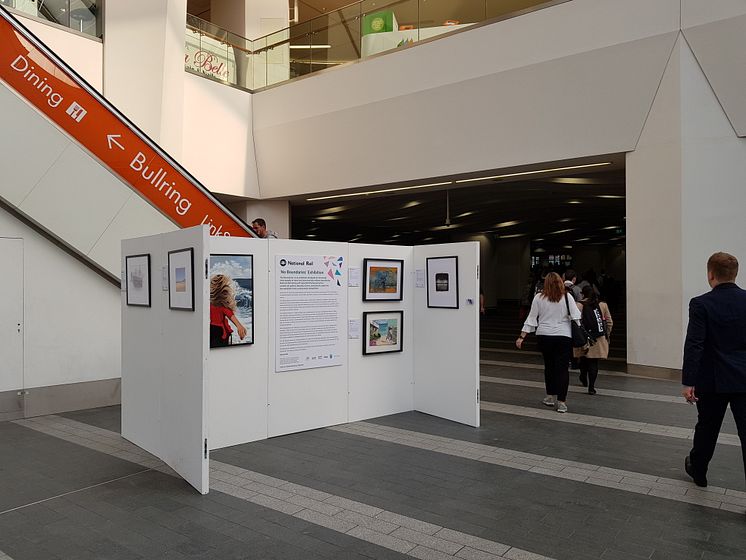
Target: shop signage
59,95
209,57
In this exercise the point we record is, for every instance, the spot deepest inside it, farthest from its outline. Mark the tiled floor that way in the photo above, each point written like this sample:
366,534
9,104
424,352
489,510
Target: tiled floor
603,482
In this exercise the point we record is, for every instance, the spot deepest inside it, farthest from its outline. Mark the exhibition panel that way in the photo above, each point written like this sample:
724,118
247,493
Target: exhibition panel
238,373
381,382
164,350
446,366
308,347
291,336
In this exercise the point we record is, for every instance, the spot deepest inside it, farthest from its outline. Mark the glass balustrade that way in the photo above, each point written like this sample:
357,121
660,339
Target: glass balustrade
81,15
351,33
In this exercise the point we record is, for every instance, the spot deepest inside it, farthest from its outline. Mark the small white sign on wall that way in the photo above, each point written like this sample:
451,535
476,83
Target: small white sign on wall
354,328
419,278
354,278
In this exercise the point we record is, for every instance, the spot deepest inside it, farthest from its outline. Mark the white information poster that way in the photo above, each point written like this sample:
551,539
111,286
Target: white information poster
354,280
310,332
420,278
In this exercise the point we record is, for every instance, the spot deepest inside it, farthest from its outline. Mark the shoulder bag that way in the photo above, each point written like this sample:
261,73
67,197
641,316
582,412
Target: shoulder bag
580,337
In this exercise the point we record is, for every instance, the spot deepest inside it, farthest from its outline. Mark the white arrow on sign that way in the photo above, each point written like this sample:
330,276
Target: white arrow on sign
112,139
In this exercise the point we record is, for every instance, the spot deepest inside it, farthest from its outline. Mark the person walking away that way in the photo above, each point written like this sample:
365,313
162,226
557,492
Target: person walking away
596,318
550,319
714,369
571,277
260,227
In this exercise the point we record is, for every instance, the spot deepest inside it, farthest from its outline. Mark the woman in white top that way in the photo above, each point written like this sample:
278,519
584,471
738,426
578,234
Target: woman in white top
550,318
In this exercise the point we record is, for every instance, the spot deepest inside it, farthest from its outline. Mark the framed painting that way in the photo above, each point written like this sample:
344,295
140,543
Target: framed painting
382,332
137,275
384,279
181,279
231,300
442,282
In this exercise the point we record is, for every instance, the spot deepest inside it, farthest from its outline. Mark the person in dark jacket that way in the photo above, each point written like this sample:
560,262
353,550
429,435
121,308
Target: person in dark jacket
714,370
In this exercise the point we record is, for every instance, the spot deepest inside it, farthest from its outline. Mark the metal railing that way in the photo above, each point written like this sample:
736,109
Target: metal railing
348,34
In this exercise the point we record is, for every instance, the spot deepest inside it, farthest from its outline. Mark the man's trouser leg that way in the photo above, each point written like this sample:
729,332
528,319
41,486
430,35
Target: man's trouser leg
711,409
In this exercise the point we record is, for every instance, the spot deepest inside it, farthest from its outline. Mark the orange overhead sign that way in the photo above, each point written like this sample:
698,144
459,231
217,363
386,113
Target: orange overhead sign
58,93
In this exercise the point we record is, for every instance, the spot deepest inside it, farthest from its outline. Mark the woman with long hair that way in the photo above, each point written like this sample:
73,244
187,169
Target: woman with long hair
223,309
550,316
596,319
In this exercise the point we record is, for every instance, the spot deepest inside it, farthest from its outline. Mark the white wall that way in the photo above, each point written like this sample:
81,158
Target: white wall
684,201
218,144
71,314
144,66
531,89
84,55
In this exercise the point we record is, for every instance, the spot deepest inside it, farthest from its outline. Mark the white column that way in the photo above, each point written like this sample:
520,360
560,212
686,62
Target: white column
685,200
275,212
144,66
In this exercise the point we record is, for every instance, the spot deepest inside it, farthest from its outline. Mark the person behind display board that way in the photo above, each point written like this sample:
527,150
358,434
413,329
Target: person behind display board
260,227
222,309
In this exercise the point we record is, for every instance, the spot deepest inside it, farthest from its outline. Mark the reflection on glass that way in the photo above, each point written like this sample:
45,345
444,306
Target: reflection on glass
389,24
499,8
300,50
80,15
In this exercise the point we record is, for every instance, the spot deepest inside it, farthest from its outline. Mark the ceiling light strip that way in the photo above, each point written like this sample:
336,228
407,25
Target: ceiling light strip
536,172
367,193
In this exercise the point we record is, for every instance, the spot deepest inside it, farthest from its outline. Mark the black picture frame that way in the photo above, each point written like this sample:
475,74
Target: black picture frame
451,283
190,251
366,276
127,260
209,277
366,346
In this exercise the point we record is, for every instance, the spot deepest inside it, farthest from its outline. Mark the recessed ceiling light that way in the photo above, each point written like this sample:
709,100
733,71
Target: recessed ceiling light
540,250
511,236
310,235
397,218
539,239
411,204
564,220
465,214
561,231
335,209
445,227
611,227
380,191
507,224
583,239
327,218
573,181
575,202
524,173
567,246
611,196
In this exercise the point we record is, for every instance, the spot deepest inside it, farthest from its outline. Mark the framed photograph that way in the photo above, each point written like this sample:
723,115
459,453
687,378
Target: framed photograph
384,279
137,274
382,332
231,300
181,279
442,282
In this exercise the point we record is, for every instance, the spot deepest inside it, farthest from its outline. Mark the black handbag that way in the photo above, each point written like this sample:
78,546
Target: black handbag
580,337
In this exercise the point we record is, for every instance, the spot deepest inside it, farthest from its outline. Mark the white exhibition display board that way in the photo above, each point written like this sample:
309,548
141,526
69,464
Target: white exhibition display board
315,396
323,333
446,372
164,351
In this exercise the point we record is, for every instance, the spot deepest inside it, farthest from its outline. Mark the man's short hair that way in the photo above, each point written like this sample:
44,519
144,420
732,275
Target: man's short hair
723,266
570,274
260,222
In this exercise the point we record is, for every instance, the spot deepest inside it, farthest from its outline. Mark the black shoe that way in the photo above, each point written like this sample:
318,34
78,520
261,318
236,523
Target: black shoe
698,480
583,381
591,391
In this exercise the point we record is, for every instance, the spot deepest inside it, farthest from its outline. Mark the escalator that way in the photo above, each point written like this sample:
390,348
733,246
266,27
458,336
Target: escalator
78,170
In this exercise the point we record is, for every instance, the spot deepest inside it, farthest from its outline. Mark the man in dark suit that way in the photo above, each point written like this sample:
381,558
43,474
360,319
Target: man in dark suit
714,371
